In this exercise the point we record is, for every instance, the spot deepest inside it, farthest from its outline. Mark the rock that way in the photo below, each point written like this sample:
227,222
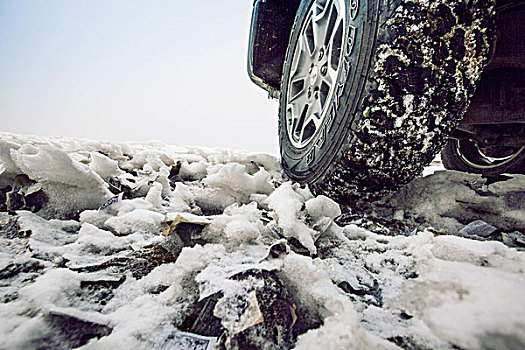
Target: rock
71,331
399,215
275,329
26,194
23,180
36,201
139,263
514,239
149,258
182,340
15,268
3,197
515,200
356,280
184,230
260,315
202,320
278,249
478,228
174,179
187,226
100,291
15,201
9,227
298,247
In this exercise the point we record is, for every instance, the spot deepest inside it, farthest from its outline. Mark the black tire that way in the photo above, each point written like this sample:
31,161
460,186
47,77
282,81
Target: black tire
407,72
465,155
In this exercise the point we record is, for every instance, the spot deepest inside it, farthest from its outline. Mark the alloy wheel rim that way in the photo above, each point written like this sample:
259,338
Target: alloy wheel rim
314,70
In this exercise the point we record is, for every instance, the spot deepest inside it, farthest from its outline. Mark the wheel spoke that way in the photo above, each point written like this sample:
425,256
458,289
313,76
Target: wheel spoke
309,37
320,26
301,61
300,99
297,88
321,7
312,121
331,76
332,20
315,109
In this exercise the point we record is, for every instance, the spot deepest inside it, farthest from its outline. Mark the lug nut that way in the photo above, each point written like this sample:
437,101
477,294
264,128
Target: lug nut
309,93
316,95
321,53
324,70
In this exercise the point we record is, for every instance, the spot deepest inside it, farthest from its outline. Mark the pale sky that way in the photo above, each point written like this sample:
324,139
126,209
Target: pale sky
123,70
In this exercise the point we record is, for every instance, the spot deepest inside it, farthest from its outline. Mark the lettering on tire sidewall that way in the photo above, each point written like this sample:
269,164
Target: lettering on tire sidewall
350,52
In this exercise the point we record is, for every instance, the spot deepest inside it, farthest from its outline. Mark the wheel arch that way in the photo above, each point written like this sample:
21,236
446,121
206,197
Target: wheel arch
271,25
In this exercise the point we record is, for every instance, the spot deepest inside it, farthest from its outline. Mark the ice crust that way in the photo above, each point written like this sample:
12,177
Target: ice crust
112,271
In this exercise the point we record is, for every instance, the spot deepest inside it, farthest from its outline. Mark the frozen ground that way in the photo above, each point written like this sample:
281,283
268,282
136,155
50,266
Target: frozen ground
153,246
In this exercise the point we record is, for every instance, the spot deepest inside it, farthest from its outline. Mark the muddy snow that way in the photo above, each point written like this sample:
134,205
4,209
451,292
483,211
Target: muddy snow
143,246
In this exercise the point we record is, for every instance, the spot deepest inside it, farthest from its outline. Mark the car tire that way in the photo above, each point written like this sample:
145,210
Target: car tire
401,75
465,155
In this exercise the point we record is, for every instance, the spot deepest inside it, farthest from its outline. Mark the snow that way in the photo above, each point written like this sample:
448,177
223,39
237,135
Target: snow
453,298
322,206
314,290
214,245
93,240
8,165
234,180
104,166
286,204
236,225
138,220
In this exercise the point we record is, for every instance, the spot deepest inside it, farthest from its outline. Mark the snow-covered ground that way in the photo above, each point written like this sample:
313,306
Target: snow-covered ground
147,246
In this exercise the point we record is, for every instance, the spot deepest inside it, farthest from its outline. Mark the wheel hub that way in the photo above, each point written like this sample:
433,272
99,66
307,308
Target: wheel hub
313,75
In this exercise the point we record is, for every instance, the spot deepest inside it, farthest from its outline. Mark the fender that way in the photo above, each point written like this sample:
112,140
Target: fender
271,25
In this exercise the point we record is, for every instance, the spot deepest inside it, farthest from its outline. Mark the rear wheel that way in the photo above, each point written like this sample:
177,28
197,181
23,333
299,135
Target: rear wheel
467,155
370,89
